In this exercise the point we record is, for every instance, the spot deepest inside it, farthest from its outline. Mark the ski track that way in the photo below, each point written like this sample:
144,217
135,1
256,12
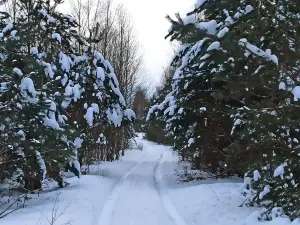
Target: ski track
163,193
140,202
106,213
142,189
140,196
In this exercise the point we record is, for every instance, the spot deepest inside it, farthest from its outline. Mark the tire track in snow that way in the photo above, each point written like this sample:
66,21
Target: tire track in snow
163,194
108,208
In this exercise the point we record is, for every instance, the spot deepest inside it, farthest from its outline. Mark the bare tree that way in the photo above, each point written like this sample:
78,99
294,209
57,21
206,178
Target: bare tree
140,106
56,214
111,31
127,58
108,28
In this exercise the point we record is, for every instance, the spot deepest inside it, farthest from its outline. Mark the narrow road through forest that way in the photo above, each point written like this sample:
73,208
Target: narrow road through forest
140,196
142,188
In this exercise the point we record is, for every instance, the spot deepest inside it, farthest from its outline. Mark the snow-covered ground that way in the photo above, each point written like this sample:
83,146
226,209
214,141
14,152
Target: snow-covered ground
142,188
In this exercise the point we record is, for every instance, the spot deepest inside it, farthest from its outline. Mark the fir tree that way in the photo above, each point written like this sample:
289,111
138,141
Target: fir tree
197,108
233,65
34,71
101,106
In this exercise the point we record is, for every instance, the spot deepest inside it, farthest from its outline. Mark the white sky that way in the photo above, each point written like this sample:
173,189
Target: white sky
149,20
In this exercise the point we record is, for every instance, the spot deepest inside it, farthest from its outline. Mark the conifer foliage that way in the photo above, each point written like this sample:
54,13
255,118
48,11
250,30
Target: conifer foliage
43,81
233,103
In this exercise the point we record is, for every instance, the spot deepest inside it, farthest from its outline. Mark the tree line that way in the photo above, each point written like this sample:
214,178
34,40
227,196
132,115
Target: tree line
67,83
231,104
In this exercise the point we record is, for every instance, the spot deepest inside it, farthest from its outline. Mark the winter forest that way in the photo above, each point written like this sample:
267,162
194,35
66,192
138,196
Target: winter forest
86,138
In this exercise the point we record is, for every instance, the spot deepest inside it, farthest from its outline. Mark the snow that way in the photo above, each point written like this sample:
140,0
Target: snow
258,69
52,110
114,117
99,56
64,80
257,51
229,20
19,106
95,108
115,88
236,123
52,123
129,113
18,71
13,35
282,86
296,93
279,171
76,90
48,70
142,188
41,163
70,18
256,175
249,8
43,12
50,19
214,46
180,111
89,116
191,19
223,32
57,37
65,62
163,191
62,119
210,27
34,51
191,141
20,133
76,163
8,27
27,85
3,86
77,142
100,73
264,192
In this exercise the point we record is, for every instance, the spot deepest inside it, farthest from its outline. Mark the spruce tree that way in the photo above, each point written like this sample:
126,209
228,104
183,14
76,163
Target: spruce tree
266,128
101,107
239,60
197,109
35,68
54,100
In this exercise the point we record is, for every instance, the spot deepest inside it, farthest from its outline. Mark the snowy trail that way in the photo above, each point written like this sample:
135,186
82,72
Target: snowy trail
140,196
143,188
106,212
165,198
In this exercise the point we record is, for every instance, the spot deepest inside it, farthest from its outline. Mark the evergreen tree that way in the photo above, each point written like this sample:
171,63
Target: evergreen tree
235,92
155,128
34,70
266,129
196,109
101,107
55,101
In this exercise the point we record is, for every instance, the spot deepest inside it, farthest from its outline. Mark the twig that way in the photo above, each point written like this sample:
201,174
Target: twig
6,213
216,194
54,214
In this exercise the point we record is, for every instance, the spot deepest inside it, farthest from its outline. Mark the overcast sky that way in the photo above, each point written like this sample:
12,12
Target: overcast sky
151,26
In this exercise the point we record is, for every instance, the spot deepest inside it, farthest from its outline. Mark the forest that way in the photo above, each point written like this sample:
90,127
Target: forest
73,97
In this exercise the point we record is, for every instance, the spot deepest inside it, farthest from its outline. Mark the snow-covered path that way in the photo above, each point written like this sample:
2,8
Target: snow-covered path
142,188
139,196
